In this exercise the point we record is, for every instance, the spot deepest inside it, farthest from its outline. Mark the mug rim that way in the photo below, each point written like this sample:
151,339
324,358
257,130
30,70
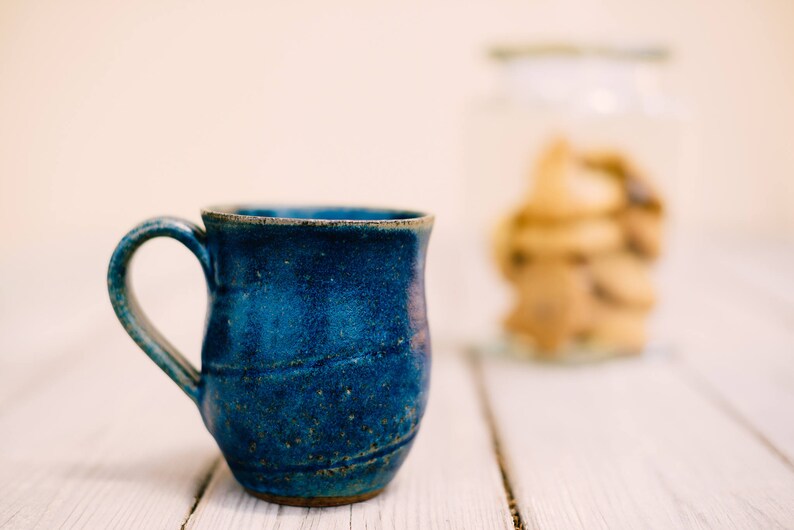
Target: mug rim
230,213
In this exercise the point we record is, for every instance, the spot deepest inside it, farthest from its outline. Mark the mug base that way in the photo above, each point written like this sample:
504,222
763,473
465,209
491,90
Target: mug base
313,502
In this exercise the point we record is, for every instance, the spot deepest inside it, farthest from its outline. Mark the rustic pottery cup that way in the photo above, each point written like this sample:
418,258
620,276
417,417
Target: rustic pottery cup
316,355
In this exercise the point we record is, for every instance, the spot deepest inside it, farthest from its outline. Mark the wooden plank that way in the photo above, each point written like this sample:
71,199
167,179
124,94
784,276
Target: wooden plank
764,266
108,443
628,444
103,439
734,345
48,314
450,480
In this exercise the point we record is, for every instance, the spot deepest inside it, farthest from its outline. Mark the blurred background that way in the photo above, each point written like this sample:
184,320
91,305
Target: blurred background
112,112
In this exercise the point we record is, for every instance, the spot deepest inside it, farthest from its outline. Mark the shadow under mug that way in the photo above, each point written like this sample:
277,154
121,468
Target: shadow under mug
316,355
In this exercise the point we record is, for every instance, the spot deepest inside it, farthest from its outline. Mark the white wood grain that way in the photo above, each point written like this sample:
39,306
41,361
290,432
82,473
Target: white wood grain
46,312
93,435
765,266
54,306
734,344
630,445
450,480
109,442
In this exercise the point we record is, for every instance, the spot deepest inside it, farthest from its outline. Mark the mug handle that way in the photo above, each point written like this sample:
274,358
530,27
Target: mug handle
126,306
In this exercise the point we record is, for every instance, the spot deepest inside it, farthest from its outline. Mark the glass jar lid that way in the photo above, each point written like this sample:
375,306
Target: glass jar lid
510,51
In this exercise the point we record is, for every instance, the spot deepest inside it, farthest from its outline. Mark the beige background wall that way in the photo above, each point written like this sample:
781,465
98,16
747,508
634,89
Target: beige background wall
114,111
111,112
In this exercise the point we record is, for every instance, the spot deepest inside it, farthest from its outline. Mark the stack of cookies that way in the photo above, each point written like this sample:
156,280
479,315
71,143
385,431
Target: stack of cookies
578,252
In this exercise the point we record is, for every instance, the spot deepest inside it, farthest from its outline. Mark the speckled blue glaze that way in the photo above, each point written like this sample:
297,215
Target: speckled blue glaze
316,357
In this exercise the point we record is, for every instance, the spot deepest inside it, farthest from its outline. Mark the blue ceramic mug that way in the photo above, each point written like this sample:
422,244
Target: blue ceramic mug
316,356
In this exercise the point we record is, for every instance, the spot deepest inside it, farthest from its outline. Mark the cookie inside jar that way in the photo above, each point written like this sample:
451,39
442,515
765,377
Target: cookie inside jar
578,250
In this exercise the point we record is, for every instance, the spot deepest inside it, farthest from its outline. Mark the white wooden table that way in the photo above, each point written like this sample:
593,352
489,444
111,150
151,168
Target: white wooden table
696,434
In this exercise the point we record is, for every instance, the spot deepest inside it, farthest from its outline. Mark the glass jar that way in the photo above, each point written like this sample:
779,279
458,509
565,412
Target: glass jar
571,166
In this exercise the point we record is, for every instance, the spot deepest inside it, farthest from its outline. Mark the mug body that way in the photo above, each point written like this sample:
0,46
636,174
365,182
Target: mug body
316,358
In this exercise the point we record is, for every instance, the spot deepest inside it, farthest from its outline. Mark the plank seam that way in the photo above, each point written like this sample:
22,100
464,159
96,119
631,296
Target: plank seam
201,489
710,393
7,522
475,365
